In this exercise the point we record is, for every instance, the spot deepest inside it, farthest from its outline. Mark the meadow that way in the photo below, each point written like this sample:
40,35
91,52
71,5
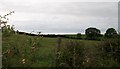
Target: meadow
43,55
20,49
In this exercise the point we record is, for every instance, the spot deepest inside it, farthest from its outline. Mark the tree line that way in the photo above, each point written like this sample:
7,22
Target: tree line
94,33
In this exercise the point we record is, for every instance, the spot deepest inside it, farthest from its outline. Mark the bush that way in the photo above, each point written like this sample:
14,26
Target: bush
21,48
8,30
79,35
111,50
71,55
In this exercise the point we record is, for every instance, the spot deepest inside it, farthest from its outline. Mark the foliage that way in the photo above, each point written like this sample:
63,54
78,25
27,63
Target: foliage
79,35
33,51
71,55
26,51
110,32
7,30
92,33
110,51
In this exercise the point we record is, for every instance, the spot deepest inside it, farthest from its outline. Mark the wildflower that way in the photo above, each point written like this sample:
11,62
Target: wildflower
4,53
33,47
8,51
83,63
23,61
41,36
87,59
33,43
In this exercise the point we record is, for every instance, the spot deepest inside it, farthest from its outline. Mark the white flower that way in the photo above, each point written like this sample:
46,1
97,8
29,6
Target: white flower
23,60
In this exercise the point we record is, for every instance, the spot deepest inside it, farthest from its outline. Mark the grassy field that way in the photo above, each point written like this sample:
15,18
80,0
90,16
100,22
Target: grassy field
83,36
43,54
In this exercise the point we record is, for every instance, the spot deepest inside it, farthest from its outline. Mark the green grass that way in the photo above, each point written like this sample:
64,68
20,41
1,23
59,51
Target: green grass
83,36
44,53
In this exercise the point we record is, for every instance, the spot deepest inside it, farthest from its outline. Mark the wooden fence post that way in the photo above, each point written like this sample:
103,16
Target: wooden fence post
58,51
59,40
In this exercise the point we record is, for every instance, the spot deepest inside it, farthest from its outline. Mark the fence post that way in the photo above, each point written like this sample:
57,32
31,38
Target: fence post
59,40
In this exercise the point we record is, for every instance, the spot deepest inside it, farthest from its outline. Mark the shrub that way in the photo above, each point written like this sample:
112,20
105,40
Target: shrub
79,35
8,30
71,55
111,50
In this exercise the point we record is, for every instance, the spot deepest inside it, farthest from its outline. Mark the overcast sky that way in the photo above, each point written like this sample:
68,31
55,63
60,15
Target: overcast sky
61,16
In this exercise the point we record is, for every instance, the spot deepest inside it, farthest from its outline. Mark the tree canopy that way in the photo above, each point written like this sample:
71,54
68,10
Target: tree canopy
110,32
92,33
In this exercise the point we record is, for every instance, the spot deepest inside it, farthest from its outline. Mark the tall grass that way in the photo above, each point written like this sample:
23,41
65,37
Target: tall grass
110,52
71,55
29,51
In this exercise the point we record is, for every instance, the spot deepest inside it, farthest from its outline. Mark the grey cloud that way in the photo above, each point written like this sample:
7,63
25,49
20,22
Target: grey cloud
70,8
64,16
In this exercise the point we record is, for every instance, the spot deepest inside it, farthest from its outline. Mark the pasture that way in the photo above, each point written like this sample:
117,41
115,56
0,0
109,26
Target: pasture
42,56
